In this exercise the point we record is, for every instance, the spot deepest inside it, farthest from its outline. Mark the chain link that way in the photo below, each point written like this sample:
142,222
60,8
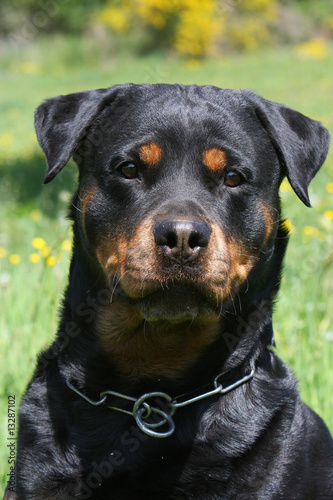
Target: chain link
150,418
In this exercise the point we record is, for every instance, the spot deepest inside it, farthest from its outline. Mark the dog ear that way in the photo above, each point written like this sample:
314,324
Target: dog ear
301,143
61,123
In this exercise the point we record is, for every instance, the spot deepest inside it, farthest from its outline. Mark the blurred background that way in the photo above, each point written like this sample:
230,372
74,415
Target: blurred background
281,49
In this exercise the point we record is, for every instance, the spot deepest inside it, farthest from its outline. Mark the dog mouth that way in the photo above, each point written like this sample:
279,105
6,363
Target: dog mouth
174,303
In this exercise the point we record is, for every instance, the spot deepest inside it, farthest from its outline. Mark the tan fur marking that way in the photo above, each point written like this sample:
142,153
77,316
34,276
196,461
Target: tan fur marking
150,154
140,350
228,264
139,265
215,159
268,216
85,199
132,261
241,262
111,256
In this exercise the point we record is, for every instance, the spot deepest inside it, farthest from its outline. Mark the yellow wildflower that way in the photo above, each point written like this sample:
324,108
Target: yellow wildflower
311,231
34,258
66,245
6,139
313,49
328,214
46,251
35,215
3,253
38,243
14,259
50,261
329,187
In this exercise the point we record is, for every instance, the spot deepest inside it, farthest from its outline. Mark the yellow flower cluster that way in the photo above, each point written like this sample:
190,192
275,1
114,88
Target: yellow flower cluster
266,7
314,232
313,49
115,17
199,26
157,12
42,253
249,33
250,28
195,27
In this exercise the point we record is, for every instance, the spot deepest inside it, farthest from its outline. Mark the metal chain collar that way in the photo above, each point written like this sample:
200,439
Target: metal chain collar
149,418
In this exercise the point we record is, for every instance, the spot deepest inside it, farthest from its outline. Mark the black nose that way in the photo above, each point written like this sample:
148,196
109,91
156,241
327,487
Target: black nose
182,240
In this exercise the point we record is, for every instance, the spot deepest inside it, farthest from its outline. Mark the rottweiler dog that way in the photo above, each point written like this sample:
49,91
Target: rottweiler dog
162,382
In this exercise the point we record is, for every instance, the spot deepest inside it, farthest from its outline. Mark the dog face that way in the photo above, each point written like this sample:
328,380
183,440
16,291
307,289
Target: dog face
178,194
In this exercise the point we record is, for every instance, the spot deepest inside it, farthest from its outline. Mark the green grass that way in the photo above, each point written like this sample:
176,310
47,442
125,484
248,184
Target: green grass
30,293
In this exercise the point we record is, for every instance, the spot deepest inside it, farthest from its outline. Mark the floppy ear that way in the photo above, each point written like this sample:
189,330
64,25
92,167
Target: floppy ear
301,143
61,123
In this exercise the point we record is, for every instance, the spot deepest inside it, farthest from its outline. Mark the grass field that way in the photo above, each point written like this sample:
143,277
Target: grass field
35,236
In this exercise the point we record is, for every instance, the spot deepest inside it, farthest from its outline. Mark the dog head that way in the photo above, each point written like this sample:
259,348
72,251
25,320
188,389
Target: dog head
178,197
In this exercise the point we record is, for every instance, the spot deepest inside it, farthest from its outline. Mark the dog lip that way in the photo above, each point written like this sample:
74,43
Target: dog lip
175,304
172,286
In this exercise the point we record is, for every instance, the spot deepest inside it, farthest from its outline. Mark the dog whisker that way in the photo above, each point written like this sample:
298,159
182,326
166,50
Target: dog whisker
76,208
92,287
117,283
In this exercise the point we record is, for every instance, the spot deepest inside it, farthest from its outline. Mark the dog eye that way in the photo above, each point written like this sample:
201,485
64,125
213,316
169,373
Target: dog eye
233,179
129,170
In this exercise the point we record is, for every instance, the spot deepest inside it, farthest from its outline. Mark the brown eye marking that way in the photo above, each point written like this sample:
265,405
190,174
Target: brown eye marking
150,154
215,159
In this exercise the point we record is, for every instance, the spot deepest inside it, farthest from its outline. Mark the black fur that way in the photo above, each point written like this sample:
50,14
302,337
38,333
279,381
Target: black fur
259,441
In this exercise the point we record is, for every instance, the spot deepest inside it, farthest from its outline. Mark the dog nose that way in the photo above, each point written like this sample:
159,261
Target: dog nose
182,240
